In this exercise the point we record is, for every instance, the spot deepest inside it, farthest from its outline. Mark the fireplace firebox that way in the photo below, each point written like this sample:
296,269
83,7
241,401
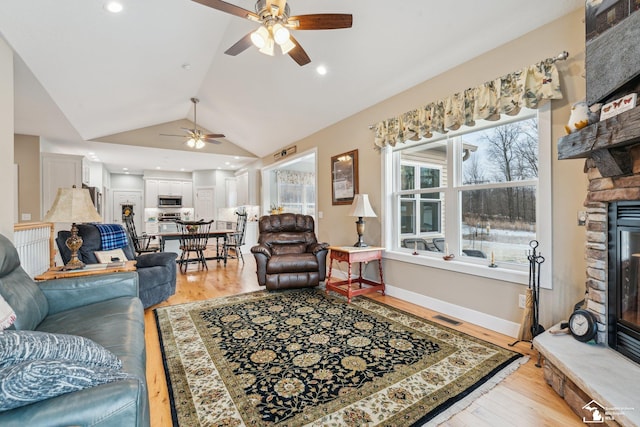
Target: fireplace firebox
623,298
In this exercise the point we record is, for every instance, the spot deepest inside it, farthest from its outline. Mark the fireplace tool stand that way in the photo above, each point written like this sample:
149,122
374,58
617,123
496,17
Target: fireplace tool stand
530,326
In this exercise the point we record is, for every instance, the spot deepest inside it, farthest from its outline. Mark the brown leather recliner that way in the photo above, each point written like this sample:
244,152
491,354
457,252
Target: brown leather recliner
288,254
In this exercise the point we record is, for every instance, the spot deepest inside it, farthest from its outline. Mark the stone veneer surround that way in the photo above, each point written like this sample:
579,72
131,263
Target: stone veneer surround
602,191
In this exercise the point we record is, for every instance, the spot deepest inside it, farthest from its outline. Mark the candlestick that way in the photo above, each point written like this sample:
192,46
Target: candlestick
493,260
446,249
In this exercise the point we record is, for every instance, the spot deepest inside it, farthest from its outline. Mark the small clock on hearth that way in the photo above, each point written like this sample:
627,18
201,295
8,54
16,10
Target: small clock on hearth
582,325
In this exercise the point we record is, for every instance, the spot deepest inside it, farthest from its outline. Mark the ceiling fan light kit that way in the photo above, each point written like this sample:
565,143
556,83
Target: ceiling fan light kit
276,23
197,139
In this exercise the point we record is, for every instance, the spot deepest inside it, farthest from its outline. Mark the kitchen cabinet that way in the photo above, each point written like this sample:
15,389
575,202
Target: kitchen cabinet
164,187
151,193
187,194
231,193
242,187
169,188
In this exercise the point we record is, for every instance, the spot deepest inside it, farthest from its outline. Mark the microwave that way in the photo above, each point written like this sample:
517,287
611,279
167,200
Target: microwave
169,201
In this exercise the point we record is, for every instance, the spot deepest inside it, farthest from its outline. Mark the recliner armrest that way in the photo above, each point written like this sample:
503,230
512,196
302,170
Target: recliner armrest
65,294
261,249
317,247
155,259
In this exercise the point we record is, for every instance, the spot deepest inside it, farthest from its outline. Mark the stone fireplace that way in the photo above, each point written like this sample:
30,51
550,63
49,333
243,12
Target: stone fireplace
613,257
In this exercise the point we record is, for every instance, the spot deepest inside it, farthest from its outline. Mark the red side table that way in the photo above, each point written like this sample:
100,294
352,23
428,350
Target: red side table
351,254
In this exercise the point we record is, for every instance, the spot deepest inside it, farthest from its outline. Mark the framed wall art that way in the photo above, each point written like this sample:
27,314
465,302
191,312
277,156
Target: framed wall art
344,177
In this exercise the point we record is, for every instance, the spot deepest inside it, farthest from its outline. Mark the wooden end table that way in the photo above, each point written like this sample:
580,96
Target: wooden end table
59,273
351,254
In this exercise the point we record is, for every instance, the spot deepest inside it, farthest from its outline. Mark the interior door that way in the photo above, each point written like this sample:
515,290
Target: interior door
132,198
205,205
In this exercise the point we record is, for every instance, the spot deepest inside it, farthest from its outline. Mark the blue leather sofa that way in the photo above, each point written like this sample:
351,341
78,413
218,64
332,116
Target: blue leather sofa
157,271
104,309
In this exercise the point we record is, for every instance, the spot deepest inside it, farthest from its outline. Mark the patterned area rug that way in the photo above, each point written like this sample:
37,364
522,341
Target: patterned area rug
294,358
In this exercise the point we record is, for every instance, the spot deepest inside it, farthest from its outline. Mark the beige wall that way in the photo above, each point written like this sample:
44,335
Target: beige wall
493,297
7,193
27,157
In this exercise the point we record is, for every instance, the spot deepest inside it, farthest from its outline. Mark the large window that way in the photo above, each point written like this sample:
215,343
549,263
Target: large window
475,192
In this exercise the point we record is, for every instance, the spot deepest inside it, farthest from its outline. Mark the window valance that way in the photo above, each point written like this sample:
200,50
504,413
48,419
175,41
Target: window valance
505,95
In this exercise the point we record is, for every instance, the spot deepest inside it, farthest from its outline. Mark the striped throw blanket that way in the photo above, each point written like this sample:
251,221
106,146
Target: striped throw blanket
113,236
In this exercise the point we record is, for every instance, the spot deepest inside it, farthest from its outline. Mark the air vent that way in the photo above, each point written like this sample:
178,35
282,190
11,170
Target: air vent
446,319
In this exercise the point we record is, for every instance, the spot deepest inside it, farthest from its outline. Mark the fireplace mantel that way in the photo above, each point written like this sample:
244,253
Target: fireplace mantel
607,143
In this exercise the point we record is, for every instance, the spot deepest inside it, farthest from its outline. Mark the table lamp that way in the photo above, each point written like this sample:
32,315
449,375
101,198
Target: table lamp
73,205
361,208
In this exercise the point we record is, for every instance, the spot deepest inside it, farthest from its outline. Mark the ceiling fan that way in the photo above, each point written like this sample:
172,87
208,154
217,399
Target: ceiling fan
276,23
197,139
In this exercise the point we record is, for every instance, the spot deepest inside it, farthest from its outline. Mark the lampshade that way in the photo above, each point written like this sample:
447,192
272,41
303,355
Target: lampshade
191,143
72,205
259,37
361,206
280,33
268,47
287,46
199,144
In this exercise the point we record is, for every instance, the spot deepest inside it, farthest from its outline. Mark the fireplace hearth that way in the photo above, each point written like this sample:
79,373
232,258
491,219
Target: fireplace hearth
623,299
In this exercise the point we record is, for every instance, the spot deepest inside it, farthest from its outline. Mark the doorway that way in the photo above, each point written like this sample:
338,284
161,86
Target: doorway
130,201
290,185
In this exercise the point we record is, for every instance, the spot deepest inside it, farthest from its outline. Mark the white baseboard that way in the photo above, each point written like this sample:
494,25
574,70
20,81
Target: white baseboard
479,318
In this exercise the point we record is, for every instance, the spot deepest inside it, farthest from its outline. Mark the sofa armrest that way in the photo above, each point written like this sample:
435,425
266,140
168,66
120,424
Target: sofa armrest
317,247
65,294
155,259
119,403
261,249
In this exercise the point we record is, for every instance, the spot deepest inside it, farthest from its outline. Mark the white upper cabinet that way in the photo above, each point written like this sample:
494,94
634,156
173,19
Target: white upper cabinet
164,187
187,194
151,193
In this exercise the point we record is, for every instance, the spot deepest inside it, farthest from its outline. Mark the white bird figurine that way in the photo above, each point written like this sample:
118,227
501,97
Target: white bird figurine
582,115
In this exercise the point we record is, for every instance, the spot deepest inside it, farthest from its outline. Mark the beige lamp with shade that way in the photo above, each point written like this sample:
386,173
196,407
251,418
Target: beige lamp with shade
73,205
361,208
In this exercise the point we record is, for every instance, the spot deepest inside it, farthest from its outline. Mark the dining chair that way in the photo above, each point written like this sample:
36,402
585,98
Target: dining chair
236,240
193,240
140,242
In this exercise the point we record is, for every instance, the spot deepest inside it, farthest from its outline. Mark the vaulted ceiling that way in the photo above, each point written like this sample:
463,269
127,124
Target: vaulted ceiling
87,79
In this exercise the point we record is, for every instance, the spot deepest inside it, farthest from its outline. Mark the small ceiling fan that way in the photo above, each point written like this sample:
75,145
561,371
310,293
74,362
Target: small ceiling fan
276,23
197,139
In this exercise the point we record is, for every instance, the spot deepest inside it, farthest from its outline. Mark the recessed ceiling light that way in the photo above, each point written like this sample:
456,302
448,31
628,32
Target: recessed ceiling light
113,7
125,169
181,169
186,67
321,69
237,157
158,167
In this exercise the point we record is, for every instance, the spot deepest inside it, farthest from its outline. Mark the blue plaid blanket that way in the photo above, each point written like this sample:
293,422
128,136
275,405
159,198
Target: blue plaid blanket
113,236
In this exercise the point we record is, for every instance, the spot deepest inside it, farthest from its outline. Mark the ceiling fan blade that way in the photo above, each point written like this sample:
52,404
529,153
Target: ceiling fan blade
240,46
212,141
229,8
166,134
321,21
298,54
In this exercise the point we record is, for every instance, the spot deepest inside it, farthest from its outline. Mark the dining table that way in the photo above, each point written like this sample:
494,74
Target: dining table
221,251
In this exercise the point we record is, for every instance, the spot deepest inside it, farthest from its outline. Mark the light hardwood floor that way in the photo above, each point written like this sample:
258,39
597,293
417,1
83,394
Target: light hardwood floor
522,399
